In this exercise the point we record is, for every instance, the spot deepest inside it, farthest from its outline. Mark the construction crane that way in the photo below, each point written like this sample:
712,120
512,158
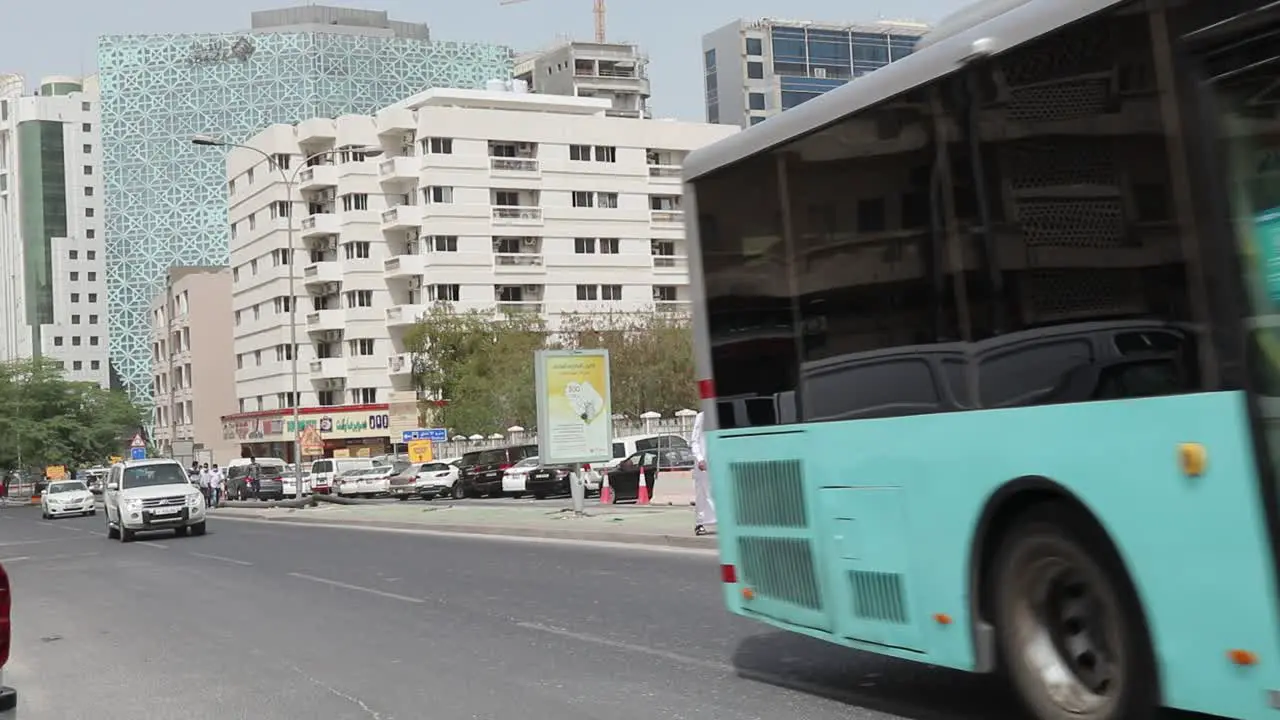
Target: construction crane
598,9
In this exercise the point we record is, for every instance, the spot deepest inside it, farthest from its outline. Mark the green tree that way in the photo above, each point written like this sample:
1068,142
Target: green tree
650,357
46,419
480,365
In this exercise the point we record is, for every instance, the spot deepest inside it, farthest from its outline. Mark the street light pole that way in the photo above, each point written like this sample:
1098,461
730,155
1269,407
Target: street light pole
289,181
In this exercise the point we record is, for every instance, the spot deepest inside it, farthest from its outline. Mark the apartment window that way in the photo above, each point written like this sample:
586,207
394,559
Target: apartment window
93,319
284,352
709,60
609,246
444,243
581,153
284,304
328,398
257,312
95,365
235,274
437,146
257,357
437,195
243,405
584,246
606,153
506,198
93,276
57,341
611,292
253,220
91,254
75,297
607,200
88,212
355,201
88,191
583,199
361,346
253,266
90,234
75,276
231,186
445,293
755,47
280,256
281,161
93,340
87,169
755,101
77,365
237,317
281,209
285,400
75,319
588,292
364,396
86,127
357,250
359,298
74,255
755,70
248,176
86,148
664,293
75,341
239,361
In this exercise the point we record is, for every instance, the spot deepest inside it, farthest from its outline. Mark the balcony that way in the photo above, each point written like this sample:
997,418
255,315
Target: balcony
329,368
403,266
398,169
402,217
509,166
509,215
520,306
405,315
401,364
681,307
666,217
318,177
665,171
320,225
326,320
519,263
670,264
322,272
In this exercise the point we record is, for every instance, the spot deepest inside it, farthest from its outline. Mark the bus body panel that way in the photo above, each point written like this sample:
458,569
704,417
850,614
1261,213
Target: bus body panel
866,545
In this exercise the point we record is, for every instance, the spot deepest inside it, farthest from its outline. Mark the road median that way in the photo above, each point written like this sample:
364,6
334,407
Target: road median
648,526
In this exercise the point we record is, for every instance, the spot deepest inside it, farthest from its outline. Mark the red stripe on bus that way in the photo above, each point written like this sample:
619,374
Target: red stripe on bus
706,389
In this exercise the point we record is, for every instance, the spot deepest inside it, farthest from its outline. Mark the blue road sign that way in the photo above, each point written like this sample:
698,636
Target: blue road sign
436,435
138,453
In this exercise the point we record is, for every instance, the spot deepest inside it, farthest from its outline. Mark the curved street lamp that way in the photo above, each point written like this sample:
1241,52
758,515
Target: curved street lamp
290,179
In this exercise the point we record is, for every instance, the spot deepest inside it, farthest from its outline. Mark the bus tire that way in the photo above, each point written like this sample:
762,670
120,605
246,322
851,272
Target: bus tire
1070,630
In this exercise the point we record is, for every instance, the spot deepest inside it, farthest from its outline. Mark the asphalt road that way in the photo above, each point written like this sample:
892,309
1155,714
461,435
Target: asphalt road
267,622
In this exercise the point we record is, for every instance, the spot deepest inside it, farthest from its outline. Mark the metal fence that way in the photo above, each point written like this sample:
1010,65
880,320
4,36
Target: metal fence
682,426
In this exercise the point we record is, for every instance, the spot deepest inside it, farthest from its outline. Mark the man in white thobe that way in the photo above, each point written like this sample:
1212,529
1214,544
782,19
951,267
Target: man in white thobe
704,507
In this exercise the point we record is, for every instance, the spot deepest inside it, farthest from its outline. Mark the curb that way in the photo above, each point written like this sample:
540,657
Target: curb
702,543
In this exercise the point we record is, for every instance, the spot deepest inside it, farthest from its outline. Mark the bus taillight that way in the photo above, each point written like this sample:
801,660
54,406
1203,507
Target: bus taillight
728,574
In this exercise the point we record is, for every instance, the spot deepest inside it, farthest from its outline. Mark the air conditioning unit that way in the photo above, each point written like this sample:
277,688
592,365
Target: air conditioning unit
819,72
529,242
532,288
526,147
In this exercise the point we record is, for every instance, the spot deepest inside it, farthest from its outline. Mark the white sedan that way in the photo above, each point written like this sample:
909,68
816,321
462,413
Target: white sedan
514,479
67,497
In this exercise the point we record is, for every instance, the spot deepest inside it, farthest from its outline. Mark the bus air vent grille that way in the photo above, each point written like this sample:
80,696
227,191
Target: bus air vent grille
878,596
781,569
768,493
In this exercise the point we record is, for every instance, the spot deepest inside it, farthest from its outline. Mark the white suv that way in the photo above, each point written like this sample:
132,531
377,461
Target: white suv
152,496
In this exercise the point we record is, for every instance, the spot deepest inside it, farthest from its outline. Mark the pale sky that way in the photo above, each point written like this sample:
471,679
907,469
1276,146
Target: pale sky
58,37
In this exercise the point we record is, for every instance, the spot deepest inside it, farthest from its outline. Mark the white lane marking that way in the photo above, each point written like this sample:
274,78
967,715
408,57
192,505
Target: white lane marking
629,647
67,528
338,693
580,544
43,558
15,559
233,561
11,543
151,544
347,586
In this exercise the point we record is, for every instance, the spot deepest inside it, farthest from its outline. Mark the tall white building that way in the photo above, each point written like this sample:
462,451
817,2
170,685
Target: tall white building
617,72
53,299
483,199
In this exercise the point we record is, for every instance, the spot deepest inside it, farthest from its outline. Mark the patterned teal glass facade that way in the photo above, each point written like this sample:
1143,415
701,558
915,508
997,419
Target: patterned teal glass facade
165,198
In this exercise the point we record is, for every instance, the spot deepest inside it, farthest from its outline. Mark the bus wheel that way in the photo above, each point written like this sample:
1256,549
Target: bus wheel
1071,634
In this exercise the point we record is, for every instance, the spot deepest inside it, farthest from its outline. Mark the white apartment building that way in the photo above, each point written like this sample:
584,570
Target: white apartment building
53,280
483,199
617,72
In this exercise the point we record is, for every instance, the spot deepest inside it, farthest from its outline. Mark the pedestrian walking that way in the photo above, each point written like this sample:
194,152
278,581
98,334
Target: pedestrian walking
217,485
704,507
205,479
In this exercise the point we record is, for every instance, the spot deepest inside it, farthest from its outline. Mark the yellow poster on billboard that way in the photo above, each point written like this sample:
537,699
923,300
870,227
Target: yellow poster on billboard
420,451
55,472
575,407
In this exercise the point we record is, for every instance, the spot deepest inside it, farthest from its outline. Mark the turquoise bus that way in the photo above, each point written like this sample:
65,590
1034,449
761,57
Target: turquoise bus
989,348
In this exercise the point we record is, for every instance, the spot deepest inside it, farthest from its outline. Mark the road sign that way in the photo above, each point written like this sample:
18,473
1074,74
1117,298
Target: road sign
138,442
138,453
420,451
435,435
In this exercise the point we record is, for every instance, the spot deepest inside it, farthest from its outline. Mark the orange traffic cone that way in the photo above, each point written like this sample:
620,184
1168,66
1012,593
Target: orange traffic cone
642,493
606,492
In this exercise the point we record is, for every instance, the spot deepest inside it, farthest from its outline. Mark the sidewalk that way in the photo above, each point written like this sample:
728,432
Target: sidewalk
663,526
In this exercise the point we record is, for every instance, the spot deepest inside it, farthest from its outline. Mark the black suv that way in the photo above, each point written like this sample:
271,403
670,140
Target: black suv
480,472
